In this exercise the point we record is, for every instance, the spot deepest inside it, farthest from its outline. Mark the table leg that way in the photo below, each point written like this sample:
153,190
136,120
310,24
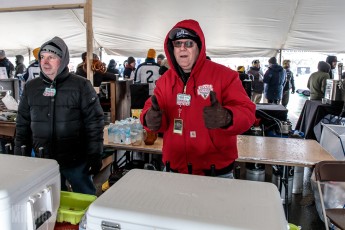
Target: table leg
285,182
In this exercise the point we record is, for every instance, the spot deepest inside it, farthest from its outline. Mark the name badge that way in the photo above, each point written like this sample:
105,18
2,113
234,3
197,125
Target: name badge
183,99
49,92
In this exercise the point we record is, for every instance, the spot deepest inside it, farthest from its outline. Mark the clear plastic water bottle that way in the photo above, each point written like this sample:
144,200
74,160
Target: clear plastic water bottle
111,132
117,136
122,134
128,135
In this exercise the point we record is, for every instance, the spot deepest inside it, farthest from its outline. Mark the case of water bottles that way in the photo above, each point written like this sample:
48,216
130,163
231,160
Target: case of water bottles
127,131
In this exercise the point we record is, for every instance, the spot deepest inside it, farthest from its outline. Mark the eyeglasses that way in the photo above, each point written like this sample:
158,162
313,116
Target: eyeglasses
187,44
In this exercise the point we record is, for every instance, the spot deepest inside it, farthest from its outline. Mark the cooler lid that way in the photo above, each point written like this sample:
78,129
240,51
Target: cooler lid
18,173
180,201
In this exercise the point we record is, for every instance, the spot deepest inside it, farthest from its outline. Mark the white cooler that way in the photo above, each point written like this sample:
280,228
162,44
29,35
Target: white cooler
29,192
143,200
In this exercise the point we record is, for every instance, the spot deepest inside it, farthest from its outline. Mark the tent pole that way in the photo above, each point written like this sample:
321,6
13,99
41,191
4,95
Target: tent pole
89,38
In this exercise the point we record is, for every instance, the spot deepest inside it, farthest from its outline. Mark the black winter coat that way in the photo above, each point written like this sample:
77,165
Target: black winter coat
69,126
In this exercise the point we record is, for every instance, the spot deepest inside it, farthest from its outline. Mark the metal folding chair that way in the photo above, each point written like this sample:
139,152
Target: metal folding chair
331,171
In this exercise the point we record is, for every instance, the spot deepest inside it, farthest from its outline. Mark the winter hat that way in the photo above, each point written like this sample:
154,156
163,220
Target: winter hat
161,56
182,33
331,59
130,60
255,62
151,53
2,54
272,60
35,52
49,48
240,69
323,66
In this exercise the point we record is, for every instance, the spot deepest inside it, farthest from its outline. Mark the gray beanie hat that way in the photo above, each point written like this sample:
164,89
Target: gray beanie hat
52,49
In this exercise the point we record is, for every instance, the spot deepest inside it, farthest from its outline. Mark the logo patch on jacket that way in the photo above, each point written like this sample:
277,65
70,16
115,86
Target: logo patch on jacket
204,90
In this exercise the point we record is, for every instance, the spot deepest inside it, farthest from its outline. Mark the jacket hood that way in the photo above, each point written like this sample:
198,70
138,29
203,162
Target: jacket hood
323,66
19,59
276,68
194,26
58,42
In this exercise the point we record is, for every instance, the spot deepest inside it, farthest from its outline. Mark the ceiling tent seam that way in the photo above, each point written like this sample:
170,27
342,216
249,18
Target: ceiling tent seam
291,23
232,28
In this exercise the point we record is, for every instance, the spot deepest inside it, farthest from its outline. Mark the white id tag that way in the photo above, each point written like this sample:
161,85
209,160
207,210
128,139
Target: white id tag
49,92
183,99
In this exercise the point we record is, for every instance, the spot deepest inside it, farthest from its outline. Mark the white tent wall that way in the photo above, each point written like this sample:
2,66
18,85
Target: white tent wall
233,28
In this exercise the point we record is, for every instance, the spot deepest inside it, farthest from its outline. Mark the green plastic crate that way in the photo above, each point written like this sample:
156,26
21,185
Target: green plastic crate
73,206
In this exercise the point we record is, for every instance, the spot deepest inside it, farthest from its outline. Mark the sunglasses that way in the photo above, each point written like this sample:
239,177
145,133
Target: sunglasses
187,44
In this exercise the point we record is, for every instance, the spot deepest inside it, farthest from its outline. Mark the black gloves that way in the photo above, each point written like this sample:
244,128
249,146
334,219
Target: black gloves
94,165
215,116
293,90
153,116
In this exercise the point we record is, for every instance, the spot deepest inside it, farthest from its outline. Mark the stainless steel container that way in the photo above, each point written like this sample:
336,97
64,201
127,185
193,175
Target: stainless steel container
333,91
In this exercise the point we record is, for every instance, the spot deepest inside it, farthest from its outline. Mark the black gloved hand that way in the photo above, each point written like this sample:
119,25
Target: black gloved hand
293,91
215,116
153,116
94,165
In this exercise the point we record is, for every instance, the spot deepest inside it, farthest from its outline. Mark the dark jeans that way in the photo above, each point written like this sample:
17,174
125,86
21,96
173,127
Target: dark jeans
285,99
79,180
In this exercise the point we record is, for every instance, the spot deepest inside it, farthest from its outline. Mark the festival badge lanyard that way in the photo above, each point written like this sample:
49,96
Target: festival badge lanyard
182,99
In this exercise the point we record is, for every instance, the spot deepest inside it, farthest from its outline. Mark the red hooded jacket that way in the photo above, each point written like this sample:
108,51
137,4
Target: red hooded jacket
197,144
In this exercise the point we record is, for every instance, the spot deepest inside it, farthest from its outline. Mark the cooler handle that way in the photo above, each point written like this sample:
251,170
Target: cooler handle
34,221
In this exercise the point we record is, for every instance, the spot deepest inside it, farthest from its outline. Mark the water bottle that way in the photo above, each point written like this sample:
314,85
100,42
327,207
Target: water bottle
122,134
117,135
128,135
111,133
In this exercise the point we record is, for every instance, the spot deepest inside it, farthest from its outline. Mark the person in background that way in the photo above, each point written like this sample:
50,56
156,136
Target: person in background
274,79
112,67
257,76
148,71
164,67
19,71
160,58
246,81
81,70
289,83
208,58
33,69
99,74
332,61
199,106
317,81
60,117
129,68
6,67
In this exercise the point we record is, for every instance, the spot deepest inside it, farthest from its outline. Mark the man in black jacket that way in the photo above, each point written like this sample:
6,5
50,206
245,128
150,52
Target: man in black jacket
60,117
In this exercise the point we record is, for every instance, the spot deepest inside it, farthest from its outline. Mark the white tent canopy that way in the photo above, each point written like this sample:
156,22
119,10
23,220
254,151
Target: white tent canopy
233,28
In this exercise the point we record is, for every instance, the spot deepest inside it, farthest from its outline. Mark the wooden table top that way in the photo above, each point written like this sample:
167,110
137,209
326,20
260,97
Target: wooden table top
7,128
258,149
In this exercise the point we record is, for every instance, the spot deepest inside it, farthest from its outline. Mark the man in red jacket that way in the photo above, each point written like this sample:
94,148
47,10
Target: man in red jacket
199,105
